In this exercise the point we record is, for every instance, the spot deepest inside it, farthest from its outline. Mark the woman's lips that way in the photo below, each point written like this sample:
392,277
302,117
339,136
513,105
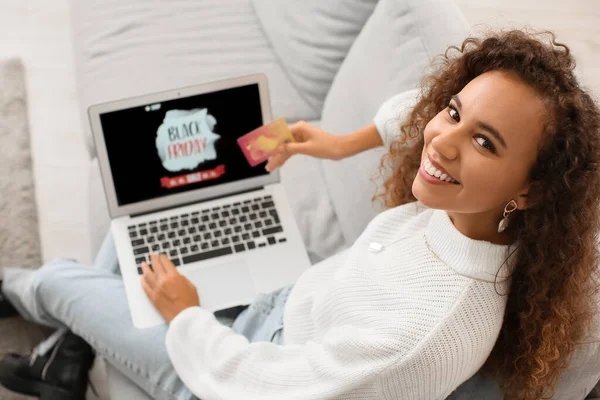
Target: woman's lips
436,173
439,167
431,179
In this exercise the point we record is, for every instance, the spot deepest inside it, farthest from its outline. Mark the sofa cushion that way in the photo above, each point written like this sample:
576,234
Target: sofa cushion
99,219
311,39
389,56
124,48
121,387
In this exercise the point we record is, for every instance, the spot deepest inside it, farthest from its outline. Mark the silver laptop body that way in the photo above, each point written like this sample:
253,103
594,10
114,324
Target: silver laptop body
177,182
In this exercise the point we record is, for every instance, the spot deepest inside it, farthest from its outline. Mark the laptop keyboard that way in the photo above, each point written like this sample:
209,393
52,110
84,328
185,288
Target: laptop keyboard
209,233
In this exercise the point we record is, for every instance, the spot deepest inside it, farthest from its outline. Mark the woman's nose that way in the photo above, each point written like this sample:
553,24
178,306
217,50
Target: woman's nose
446,144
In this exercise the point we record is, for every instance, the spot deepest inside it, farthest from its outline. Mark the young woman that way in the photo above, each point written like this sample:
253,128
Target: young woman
485,257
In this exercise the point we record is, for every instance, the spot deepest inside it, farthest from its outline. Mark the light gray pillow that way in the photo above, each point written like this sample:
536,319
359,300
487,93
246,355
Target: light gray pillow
311,39
389,56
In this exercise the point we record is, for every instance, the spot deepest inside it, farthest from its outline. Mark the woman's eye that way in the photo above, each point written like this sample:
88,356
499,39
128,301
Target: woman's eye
453,113
485,143
481,140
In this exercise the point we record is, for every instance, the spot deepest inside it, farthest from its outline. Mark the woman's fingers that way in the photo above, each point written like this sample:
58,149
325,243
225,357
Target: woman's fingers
157,265
148,289
167,264
148,277
289,149
300,131
279,157
276,161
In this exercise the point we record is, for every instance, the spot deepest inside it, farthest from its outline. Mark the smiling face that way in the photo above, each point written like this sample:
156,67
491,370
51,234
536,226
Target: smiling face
484,145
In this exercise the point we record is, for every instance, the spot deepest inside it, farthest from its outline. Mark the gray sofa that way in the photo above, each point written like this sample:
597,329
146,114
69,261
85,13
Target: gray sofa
329,62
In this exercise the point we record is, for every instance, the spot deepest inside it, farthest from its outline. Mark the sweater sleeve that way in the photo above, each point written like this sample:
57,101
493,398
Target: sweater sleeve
214,362
392,113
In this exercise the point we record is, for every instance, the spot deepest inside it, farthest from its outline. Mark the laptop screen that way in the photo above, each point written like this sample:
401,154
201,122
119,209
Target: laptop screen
181,145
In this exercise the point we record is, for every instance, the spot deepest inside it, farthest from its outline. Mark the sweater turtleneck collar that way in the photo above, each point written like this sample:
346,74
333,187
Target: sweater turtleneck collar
476,259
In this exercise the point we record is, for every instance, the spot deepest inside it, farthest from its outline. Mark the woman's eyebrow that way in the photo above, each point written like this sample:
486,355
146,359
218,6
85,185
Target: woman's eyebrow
483,125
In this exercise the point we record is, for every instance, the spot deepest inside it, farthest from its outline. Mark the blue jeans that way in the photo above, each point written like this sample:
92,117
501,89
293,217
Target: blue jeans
91,302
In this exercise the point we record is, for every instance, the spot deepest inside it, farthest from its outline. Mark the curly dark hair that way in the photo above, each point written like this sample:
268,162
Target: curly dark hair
550,304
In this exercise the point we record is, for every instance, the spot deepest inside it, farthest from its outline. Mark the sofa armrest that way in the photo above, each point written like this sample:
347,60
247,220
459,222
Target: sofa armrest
595,393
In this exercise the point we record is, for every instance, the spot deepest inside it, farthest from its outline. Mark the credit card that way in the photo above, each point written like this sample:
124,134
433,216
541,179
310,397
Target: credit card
262,142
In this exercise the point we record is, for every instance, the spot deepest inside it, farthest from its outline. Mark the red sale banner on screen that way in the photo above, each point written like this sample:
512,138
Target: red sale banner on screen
182,180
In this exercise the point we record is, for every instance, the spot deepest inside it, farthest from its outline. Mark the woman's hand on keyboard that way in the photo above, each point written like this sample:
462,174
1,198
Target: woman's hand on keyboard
167,289
310,141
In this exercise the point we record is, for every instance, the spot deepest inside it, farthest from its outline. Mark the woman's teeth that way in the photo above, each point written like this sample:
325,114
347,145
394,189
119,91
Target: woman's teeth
433,171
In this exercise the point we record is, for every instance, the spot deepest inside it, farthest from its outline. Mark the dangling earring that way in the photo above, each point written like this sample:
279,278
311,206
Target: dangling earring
510,207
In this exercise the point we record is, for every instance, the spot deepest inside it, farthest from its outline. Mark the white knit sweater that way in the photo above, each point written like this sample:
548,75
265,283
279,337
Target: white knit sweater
411,321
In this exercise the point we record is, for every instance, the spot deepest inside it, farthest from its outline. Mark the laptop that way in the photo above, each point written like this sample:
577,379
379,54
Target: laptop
177,182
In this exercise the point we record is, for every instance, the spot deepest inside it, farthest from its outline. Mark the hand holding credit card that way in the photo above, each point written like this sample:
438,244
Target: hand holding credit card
261,143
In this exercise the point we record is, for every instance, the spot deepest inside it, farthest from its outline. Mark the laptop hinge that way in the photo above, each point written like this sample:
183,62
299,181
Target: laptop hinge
196,202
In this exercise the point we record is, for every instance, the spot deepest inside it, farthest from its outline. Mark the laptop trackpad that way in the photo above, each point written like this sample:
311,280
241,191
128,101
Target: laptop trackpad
222,286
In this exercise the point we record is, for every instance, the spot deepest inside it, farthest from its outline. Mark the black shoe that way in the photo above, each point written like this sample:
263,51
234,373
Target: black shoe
62,373
6,309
